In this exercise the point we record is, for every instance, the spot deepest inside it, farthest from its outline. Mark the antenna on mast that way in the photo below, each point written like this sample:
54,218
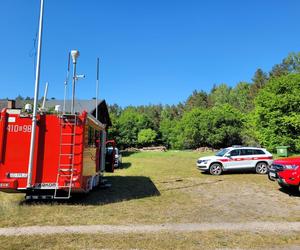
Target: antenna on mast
75,55
45,96
97,87
66,83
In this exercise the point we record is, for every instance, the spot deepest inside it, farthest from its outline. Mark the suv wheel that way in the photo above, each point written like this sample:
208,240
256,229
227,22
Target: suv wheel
261,168
215,169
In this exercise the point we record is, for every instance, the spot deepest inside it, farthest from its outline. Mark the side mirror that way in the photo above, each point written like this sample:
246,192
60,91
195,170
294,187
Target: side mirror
227,155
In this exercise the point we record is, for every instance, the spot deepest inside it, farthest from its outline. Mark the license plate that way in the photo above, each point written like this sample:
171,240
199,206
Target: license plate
272,174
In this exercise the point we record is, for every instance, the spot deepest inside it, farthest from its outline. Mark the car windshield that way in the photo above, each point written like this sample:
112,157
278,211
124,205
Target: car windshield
222,152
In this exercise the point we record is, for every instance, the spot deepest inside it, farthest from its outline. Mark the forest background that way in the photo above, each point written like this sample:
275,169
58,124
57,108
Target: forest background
264,112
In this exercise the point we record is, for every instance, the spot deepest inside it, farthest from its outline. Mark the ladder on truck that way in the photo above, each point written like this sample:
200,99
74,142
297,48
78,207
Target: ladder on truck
65,171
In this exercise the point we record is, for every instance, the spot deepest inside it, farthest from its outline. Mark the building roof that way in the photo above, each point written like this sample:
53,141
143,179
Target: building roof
84,105
3,104
19,103
80,106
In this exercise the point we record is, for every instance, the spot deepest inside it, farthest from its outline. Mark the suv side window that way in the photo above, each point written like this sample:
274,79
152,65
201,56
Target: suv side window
235,152
247,152
258,152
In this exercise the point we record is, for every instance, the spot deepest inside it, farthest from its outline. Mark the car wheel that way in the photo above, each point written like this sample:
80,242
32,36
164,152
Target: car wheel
109,168
261,168
215,169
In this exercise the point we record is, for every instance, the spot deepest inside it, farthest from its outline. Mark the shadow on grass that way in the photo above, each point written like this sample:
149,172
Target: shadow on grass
234,171
124,165
128,153
123,188
291,191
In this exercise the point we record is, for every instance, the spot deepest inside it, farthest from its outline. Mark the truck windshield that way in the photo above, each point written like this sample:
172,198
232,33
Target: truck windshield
222,152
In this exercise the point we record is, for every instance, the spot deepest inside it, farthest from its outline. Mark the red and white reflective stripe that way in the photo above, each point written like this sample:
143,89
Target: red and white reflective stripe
248,159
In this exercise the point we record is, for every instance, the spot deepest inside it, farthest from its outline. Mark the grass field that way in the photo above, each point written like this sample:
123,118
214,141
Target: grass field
210,240
160,187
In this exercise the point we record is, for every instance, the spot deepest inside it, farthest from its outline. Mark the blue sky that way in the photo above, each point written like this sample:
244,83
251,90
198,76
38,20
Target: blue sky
150,51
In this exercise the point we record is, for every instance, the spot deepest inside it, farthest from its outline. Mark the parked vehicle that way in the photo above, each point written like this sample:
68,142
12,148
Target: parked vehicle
113,158
290,178
117,159
68,158
236,157
286,172
282,164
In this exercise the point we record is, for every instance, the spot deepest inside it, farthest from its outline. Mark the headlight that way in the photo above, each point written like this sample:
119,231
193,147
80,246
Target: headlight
202,161
291,166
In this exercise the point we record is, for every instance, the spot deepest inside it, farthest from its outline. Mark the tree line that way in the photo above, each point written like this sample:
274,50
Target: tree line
264,112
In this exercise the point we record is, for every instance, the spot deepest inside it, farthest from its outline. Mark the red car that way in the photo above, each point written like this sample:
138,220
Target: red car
290,178
286,171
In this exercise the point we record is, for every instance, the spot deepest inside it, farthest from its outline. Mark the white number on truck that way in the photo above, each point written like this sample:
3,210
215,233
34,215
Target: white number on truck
19,128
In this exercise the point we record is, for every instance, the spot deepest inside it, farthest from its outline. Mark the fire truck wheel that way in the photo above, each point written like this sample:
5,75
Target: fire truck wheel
215,169
261,168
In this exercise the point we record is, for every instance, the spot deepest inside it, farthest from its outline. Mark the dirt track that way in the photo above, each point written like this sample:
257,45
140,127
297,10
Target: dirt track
197,227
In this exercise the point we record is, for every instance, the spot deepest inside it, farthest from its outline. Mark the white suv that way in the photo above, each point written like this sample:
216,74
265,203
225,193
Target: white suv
236,157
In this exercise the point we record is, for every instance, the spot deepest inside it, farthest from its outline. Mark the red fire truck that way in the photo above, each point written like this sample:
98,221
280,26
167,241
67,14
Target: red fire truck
69,155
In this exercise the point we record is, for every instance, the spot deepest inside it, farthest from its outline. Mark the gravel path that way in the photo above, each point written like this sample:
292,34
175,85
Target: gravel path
156,228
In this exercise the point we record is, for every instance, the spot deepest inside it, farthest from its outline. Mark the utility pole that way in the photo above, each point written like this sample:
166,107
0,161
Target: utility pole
36,96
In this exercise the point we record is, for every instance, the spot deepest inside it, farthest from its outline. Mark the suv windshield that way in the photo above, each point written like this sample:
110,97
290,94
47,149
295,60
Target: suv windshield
222,152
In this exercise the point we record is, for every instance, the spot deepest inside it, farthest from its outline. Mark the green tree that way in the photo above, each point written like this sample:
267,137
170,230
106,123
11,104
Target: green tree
147,137
114,130
19,97
115,109
197,100
240,97
290,64
130,123
219,95
277,113
191,131
225,126
259,80
167,127
152,112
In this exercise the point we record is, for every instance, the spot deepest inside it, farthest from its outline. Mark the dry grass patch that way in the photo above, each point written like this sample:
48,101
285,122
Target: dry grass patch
201,240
